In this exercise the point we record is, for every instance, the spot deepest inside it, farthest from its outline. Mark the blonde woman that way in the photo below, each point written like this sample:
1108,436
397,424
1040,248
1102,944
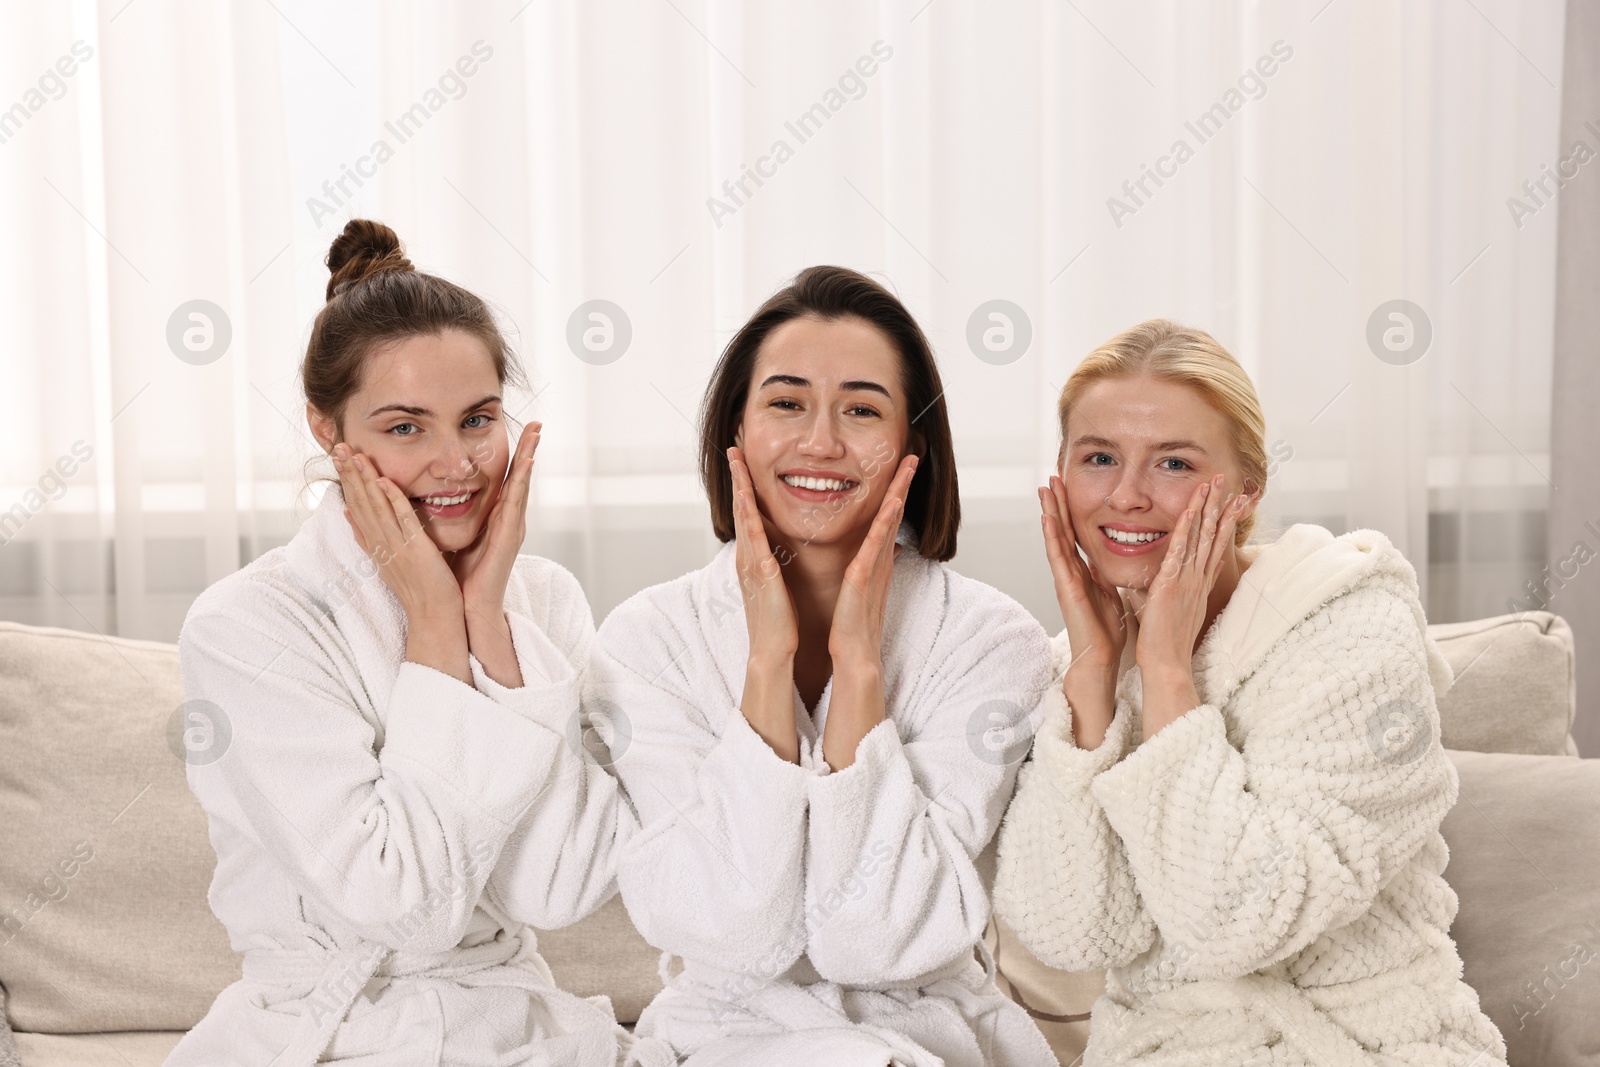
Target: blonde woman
1234,800
397,797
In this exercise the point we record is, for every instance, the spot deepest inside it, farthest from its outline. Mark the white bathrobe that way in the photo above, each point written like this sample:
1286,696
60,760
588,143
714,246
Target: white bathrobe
384,831
821,917
1263,875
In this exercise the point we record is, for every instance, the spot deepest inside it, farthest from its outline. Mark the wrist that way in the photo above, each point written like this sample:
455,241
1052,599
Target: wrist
435,621
484,616
770,664
858,670
1094,672
1166,673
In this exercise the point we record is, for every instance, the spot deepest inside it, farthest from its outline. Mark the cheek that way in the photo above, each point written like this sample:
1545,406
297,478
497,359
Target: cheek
1086,496
764,442
390,461
1171,499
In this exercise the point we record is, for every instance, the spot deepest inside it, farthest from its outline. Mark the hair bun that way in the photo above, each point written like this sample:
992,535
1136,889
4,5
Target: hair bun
365,248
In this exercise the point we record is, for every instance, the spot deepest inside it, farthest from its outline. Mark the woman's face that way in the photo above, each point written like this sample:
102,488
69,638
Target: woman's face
1137,449
824,427
428,416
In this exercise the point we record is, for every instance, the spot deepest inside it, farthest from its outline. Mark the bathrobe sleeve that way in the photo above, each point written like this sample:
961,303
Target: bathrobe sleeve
715,871
1063,882
1243,858
560,863
389,836
892,891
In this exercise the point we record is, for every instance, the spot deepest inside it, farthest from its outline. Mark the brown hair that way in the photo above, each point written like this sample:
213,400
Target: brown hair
1166,351
933,505
376,297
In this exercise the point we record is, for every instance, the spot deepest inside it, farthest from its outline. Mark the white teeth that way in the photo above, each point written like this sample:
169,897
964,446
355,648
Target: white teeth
446,501
1124,538
820,484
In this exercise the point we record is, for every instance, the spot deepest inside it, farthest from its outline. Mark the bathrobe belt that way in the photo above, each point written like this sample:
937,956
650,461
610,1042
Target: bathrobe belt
1270,996
328,980
800,1000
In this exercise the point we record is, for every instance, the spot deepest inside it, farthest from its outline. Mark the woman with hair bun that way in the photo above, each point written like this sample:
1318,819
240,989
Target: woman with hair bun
1234,800
399,802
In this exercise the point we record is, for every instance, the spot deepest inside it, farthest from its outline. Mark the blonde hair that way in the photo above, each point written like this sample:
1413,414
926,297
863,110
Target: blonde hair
1163,350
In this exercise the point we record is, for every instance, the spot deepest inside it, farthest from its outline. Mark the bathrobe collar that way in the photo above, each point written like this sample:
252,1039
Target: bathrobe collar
343,581
1289,580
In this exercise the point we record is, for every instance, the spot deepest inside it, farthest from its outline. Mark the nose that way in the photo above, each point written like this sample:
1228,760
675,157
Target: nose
821,437
456,461
1131,491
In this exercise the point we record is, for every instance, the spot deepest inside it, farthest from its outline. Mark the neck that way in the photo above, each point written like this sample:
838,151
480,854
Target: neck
814,575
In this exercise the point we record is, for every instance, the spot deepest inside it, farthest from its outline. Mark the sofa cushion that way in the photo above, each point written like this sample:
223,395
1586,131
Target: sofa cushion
104,923
1057,1001
146,1048
1515,688
605,954
1525,862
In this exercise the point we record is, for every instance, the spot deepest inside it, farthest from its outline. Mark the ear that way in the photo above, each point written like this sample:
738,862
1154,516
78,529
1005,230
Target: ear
738,436
1253,492
322,428
917,445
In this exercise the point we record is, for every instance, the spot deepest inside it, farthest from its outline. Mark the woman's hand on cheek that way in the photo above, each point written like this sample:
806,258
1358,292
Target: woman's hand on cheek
856,635
855,639
768,698
768,608
1177,601
386,528
484,567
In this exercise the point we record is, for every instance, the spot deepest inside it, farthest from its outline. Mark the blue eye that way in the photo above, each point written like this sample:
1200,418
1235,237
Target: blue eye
481,415
1091,456
1175,459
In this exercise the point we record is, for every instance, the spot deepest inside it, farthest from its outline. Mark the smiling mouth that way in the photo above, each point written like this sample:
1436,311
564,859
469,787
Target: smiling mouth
1123,537
819,485
447,506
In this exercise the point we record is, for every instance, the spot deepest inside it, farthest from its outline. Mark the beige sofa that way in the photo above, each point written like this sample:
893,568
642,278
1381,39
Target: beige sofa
108,950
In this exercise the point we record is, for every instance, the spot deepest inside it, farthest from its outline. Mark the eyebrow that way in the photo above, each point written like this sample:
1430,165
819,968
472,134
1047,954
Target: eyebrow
1164,446
424,413
802,383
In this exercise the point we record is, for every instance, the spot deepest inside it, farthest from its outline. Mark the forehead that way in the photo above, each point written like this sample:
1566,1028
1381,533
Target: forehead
826,352
1142,412
429,367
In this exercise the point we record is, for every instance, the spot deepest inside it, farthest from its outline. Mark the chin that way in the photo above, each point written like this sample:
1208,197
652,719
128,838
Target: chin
826,530
451,542
1129,575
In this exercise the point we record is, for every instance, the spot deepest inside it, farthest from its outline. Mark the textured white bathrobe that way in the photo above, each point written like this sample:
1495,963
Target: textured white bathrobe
360,803
1263,875
821,917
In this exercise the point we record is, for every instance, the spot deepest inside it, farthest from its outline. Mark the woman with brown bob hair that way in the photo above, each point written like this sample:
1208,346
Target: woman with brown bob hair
812,715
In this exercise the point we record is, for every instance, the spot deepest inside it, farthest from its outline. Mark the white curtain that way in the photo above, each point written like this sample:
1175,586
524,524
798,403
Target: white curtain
1336,156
